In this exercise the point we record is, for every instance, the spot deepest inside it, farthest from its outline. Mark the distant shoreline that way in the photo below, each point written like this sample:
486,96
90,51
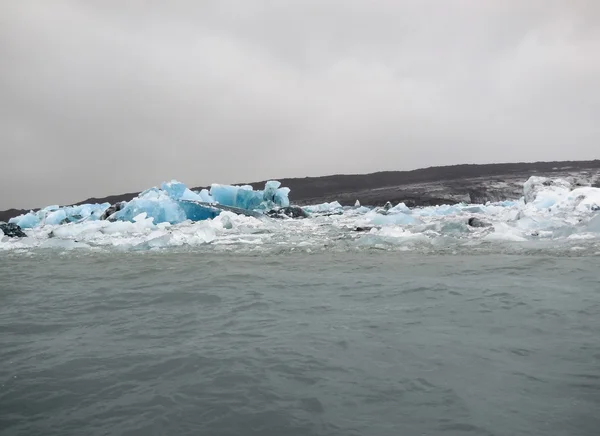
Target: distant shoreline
422,187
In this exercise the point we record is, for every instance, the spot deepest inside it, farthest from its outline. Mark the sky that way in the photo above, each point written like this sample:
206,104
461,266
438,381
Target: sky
111,96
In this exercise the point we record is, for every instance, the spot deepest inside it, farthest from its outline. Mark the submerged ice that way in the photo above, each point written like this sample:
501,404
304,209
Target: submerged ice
551,211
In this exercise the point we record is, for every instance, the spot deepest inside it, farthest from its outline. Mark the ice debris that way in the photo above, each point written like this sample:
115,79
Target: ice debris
172,215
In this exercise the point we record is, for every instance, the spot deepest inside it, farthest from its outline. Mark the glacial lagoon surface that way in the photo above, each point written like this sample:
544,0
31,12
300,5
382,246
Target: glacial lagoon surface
186,313
494,338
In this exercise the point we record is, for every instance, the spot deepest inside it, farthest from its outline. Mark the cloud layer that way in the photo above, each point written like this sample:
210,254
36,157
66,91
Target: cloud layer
105,97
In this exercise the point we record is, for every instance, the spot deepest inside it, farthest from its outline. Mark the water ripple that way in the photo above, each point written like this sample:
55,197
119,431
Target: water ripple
296,344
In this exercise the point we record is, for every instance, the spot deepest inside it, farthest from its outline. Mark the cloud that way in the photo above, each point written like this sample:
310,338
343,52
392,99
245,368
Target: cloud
109,97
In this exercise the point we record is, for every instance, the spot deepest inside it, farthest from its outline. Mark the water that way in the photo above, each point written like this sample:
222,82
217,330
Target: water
357,343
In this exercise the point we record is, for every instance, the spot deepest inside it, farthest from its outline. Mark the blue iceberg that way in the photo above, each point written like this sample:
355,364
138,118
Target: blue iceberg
172,203
55,215
244,197
178,191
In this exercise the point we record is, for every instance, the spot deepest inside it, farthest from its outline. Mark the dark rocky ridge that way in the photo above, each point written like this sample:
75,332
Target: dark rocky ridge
422,187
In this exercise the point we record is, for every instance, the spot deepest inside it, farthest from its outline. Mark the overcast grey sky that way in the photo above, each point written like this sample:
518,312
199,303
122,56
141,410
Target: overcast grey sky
104,97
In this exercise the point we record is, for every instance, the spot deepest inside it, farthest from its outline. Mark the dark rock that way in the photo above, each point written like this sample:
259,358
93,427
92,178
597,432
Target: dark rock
363,229
12,230
595,208
290,212
476,222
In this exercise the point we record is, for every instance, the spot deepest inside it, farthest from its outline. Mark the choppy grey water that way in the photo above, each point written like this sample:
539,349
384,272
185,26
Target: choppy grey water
367,343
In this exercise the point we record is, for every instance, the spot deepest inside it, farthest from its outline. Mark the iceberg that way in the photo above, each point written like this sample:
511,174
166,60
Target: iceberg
56,215
244,197
178,191
544,192
167,206
172,203
26,221
175,203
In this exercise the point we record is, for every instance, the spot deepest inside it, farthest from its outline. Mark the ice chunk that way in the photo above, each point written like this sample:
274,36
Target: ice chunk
504,232
399,208
178,191
281,197
362,210
398,219
442,210
205,196
56,217
142,224
393,236
79,230
91,212
334,206
544,192
173,205
270,190
244,197
26,221
174,189
585,199
140,218
156,204
196,212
